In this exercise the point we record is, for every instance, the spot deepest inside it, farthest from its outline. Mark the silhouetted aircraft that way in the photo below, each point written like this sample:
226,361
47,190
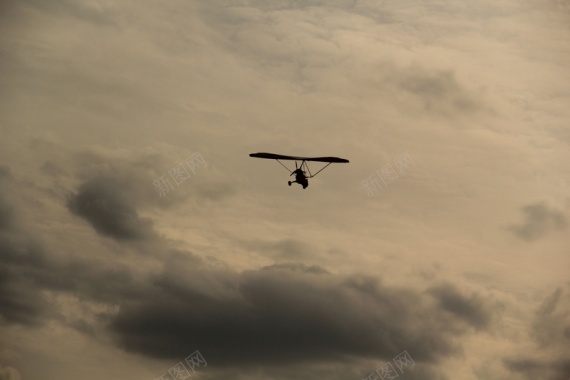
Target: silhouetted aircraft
301,176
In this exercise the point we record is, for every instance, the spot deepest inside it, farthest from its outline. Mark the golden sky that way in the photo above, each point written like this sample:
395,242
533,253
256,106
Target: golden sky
444,240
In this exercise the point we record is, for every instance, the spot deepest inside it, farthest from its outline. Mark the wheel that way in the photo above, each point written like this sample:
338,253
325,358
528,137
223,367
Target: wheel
289,182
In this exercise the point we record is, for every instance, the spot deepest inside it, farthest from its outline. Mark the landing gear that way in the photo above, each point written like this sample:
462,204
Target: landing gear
303,183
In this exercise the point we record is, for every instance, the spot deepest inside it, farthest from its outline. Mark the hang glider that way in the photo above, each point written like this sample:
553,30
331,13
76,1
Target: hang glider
301,170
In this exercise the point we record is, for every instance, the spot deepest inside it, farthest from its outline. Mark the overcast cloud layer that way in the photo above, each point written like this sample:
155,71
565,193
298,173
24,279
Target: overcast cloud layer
446,236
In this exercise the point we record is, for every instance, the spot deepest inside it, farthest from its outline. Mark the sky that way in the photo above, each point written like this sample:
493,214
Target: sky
138,239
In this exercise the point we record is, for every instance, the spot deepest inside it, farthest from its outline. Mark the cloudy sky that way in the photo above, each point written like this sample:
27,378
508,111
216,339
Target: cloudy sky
135,229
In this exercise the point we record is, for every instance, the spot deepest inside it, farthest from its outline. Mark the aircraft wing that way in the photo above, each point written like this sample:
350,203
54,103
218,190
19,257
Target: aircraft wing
272,156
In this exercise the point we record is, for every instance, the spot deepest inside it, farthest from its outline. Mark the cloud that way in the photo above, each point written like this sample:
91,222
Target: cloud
133,172
5,172
332,370
540,369
330,51
103,203
549,331
6,215
21,301
368,78
549,325
9,373
284,249
438,92
284,314
28,270
473,309
539,221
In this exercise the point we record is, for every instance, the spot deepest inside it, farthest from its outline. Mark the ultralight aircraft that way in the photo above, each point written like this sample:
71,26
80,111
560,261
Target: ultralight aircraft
301,169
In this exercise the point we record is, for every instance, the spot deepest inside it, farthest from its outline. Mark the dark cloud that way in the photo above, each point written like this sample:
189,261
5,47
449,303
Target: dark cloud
284,249
539,221
134,175
21,301
108,203
6,215
341,370
547,324
213,189
9,373
27,271
284,314
471,309
52,169
549,332
539,369
439,92
104,204
5,172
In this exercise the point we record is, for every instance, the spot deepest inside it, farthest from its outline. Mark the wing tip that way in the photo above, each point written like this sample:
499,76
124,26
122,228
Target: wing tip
260,154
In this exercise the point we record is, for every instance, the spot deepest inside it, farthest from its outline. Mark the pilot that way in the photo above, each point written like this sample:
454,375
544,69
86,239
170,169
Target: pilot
300,178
